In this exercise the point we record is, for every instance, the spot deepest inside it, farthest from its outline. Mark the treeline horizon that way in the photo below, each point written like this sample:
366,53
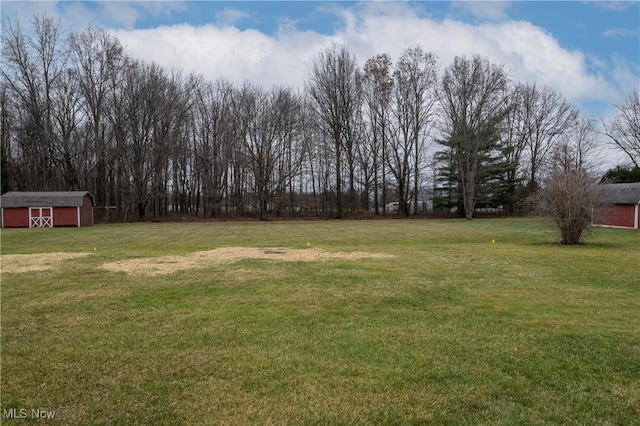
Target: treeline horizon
78,113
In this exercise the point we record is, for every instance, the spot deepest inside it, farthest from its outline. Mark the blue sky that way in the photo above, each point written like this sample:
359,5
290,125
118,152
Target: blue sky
589,51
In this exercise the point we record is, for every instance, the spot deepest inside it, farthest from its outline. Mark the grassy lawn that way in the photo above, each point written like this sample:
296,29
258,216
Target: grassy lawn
453,329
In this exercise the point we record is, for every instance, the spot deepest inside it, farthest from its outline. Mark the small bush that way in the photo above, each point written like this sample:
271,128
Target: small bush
567,198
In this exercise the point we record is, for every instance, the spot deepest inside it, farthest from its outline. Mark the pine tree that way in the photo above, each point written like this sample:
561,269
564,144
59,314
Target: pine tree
494,184
621,174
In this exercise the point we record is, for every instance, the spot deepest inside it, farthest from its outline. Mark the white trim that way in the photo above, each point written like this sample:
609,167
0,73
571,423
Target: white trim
40,221
635,216
612,226
2,214
78,209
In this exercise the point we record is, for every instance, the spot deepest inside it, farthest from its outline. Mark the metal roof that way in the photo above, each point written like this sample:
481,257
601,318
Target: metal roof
620,193
44,199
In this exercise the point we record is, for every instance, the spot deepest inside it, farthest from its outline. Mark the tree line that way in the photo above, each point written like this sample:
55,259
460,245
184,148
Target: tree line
78,113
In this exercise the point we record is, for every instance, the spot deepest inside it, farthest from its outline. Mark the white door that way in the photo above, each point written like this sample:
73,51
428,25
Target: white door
40,217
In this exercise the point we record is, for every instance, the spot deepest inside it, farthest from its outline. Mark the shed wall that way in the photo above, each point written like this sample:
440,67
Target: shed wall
86,212
65,216
15,217
615,215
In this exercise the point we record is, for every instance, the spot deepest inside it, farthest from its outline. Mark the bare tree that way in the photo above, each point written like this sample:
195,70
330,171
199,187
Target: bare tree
267,142
333,86
513,141
31,66
212,133
319,163
586,144
624,127
68,150
151,110
182,180
545,116
413,107
7,124
170,135
97,58
377,86
474,103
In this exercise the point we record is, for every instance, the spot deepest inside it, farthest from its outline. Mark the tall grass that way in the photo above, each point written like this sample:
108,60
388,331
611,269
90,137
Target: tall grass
454,329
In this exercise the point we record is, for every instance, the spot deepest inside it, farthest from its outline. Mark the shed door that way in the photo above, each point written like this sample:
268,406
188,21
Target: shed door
40,217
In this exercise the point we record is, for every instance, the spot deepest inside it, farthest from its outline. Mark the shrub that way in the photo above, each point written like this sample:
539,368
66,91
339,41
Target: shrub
568,197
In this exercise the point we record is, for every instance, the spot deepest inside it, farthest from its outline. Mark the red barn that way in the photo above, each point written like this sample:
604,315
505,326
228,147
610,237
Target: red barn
619,205
46,209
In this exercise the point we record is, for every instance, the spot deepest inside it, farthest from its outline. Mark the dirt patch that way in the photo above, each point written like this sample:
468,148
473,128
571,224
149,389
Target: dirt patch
169,264
19,263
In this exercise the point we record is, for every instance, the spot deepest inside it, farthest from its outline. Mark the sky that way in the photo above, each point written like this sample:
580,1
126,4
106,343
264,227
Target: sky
589,51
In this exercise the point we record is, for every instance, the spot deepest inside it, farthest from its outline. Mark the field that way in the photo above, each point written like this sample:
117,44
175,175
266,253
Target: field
333,322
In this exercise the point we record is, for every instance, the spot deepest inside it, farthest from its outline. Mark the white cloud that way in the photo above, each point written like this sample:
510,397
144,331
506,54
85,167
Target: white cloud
120,13
487,10
161,8
621,32
625,74
230,16
534,55
612,5
227,52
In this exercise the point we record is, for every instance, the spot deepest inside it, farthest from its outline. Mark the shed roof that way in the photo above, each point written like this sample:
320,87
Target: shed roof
44,199
620,193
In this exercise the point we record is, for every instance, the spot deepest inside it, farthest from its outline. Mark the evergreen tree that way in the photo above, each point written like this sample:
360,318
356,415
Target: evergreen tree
474,103
494,186
621,174
446,190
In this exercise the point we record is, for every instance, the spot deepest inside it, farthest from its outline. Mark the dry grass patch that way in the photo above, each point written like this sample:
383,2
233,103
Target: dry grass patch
19,263
170,264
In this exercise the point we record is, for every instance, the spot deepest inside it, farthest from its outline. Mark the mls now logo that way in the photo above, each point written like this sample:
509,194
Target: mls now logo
23,413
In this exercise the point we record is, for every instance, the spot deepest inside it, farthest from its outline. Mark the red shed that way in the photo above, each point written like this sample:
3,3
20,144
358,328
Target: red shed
619,205
46,209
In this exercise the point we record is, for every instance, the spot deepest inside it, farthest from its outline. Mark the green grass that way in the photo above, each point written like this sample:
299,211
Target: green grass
453,330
